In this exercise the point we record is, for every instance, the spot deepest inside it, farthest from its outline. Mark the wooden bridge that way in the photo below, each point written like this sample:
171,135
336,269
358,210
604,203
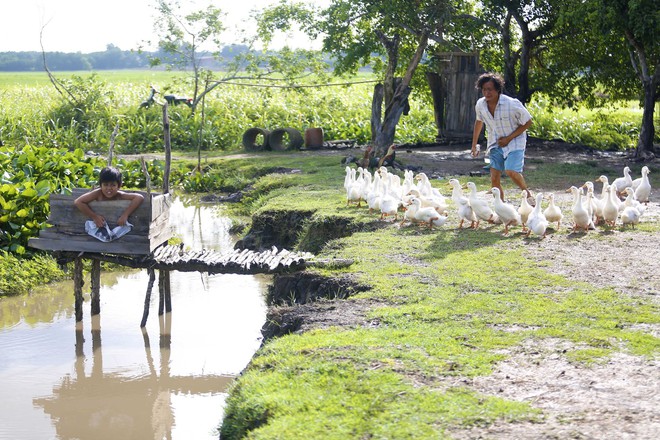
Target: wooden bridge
176,257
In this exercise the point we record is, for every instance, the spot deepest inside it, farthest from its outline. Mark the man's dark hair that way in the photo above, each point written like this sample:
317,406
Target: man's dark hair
497,80
110,174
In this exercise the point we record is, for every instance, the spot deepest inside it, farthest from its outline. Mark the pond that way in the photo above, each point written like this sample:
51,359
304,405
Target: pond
105,378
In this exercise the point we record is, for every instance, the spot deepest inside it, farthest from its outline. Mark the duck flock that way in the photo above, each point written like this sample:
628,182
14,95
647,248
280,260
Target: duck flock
413,199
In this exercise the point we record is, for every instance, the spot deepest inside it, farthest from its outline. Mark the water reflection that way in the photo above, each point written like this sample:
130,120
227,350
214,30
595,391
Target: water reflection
105,377
103,406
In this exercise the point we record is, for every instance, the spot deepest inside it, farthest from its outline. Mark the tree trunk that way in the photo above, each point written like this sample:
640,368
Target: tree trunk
385,135
510,59
523,74
376,110
645,149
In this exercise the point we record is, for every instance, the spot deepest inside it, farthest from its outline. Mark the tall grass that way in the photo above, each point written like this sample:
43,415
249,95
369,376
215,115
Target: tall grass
32,112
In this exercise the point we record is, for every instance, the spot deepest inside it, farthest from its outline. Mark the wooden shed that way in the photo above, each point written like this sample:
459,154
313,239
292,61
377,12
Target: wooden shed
150,222
454,94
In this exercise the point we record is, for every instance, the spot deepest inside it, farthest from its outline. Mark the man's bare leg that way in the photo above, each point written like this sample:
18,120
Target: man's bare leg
519,180
496,182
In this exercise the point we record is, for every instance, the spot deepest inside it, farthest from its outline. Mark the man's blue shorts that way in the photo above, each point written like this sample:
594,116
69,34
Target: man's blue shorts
514,161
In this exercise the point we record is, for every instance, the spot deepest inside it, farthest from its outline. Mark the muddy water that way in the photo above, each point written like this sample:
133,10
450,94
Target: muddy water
105,378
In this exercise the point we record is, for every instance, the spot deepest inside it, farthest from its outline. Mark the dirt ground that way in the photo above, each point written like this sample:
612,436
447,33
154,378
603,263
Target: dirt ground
619,399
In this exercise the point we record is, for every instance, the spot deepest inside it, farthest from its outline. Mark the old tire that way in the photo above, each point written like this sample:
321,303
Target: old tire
285,139
255,139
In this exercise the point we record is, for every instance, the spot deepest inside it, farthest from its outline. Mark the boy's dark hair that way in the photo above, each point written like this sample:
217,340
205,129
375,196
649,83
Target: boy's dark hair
110,174
498,81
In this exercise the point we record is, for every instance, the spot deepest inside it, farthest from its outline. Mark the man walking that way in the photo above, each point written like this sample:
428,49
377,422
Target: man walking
507,121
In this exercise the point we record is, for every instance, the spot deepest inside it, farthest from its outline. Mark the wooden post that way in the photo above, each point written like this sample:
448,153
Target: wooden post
97,354
96,286
165,297
77,287
147,298
168,150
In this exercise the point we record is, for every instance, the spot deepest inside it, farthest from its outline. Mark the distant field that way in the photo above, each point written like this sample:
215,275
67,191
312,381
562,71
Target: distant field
17,79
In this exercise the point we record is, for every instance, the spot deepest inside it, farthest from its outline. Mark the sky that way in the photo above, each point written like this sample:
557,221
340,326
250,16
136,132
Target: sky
90,25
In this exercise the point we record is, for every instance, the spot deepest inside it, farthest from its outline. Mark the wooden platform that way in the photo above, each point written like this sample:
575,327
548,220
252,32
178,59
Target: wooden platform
174,257
67,231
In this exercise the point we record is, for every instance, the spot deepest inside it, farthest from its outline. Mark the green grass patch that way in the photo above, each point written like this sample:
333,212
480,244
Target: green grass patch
451,304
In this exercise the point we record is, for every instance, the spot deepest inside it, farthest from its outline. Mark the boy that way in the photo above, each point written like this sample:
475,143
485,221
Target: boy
110,183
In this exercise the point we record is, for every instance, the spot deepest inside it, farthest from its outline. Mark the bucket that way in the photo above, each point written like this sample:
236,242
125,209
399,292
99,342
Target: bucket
314,138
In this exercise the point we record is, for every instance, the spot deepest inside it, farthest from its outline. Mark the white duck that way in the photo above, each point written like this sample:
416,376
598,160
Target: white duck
643,189
375,194
425,187
632,202
439,204
465,211
349,177
553,212
355,191
505,211
427,215
610,209
389,205
480,206
581,218
536,221
630,216
409,210
524,210
621,183
595,205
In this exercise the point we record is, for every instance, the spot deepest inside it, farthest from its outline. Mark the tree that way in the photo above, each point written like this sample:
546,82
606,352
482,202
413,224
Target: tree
525,28
390,35
182,37
612,47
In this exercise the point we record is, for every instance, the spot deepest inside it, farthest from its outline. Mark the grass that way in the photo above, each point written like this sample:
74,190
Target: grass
450,305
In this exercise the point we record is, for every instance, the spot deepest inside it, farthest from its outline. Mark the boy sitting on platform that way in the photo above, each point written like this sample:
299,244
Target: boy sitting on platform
110,184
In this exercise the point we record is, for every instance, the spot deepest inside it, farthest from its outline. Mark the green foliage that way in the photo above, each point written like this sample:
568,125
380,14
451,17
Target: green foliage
19,275
28,178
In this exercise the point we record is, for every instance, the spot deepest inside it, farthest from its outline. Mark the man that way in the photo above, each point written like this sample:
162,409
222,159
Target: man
507,121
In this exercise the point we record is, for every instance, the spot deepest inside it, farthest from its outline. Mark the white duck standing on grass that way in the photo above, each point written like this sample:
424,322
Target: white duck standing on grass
480,206
536,221
630,216
524,210
440,205
427,215
375,194
581,218
632,202
465,211
621,183
643,188
505,211
611,208
553,212
349,177
389,205
354,192
595,205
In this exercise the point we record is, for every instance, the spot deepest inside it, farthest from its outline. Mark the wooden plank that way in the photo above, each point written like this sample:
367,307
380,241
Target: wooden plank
160,204
65,217
81,244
